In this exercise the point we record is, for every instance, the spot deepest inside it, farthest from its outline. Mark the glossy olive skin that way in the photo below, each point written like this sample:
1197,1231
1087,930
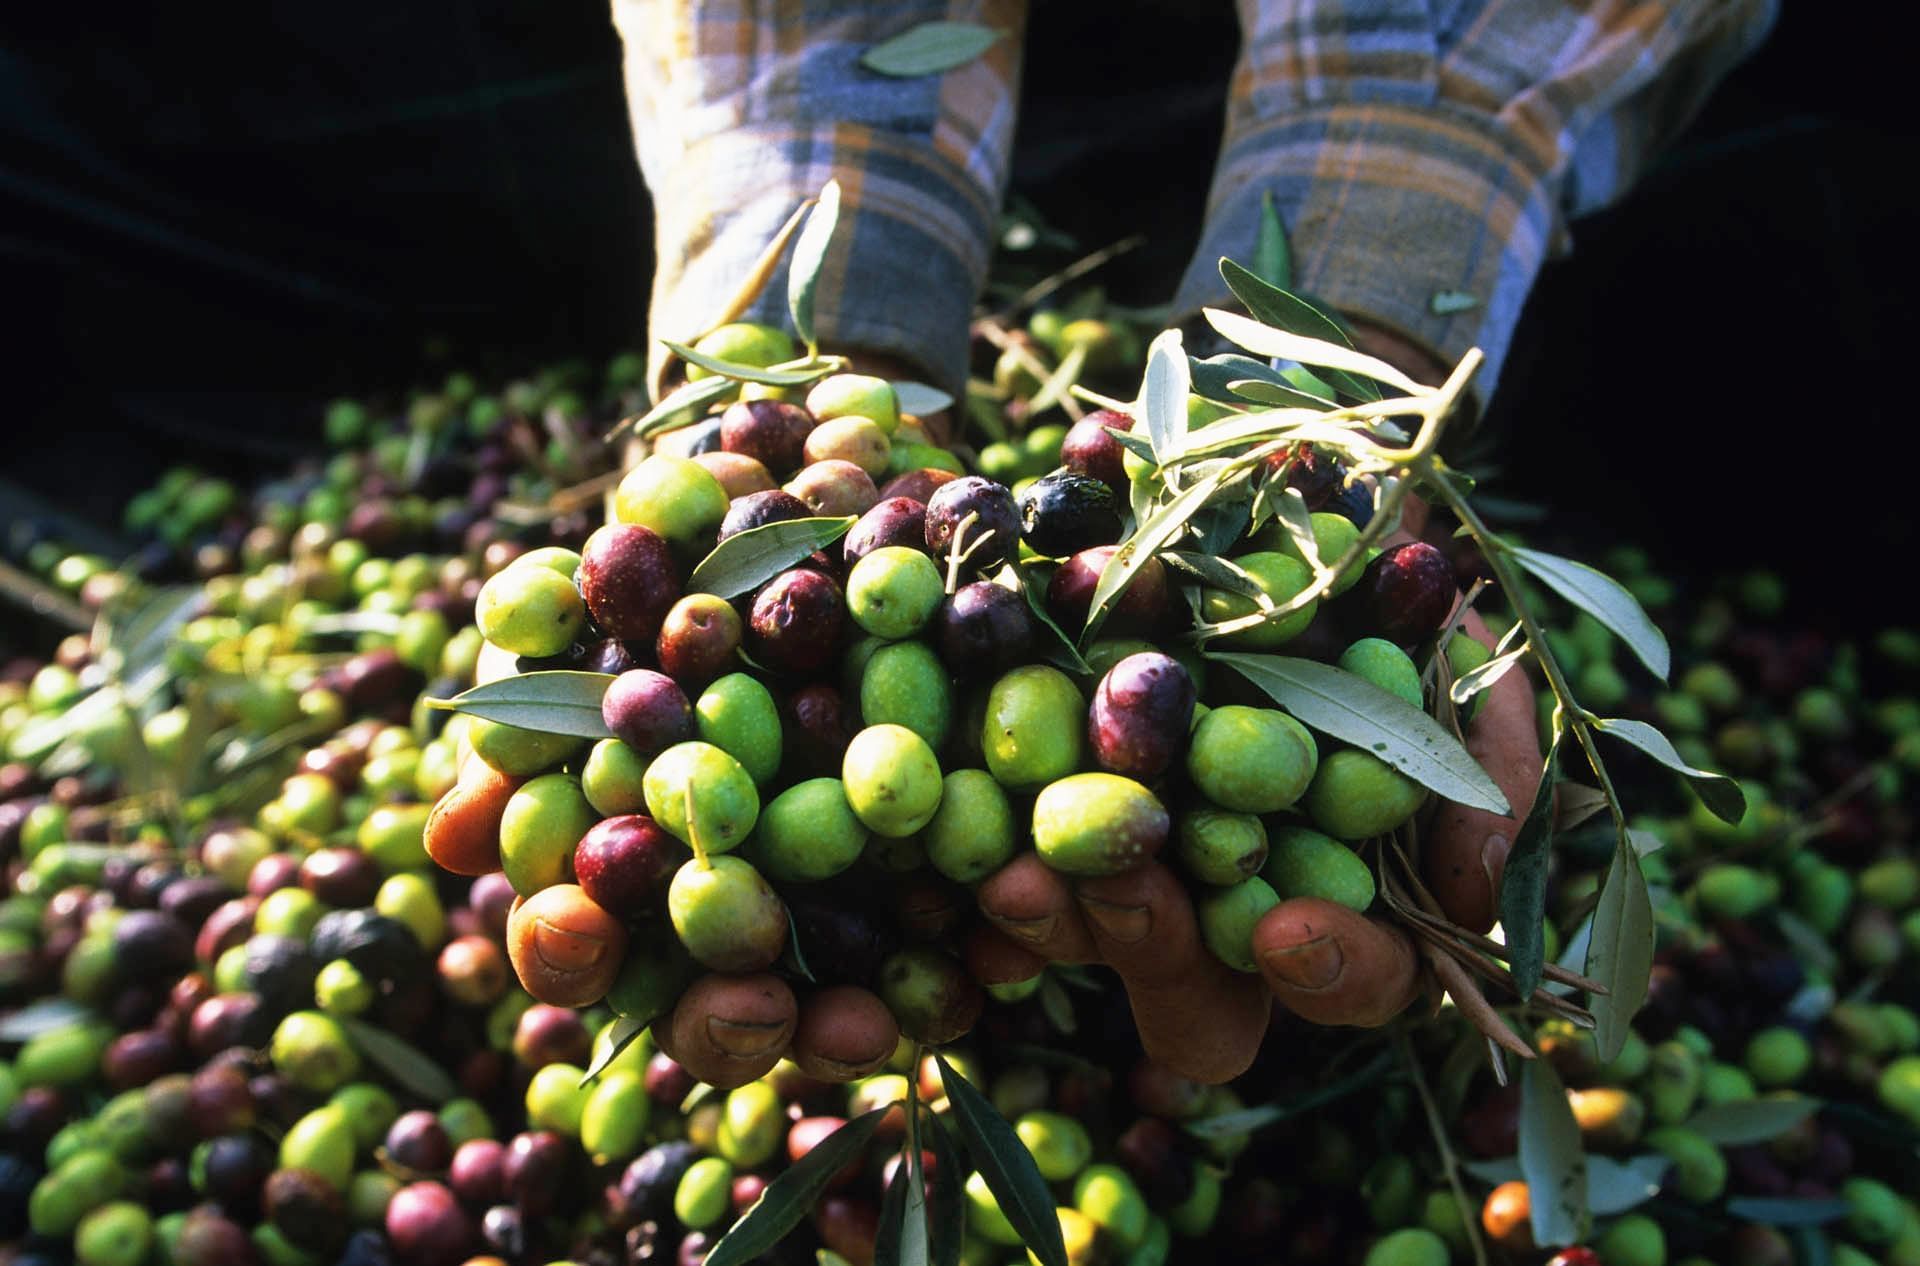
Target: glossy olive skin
565,949
771,432
817,717
648,711
892,521
624,864
758,509
1140,607
1405,594
995,523
1090,450
983,629
796,622
1064,513
1141,712
1315,475
628,578
699,639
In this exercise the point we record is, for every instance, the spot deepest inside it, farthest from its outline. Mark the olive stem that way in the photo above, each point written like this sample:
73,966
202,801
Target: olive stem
1449,1163
693,830
958,551
916,1179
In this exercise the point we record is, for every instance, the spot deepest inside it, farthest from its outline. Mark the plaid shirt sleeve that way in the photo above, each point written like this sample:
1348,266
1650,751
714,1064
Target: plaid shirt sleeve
1416,148
743,108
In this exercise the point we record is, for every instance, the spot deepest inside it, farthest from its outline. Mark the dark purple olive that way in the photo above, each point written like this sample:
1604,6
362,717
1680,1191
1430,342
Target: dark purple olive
771,432
645,1188
647,711
1140,716
535,1168
820,724
982,514
192,899
417,1141
136,1058
236,1166
629,580
341,877
1089,448
894,521
983,629
306,1209
796,622
1315,475
1404,595
1141,604
478,1172
608,655
625,862
427,1226
219,1101
151,946
758,509
1064,513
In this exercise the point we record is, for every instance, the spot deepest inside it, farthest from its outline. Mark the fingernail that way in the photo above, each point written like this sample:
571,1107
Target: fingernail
839,1070
744,1041
1125,924
1032,931
1313,965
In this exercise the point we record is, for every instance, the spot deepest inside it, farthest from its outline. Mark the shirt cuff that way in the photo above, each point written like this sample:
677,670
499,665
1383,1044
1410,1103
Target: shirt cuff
1427,222
908,255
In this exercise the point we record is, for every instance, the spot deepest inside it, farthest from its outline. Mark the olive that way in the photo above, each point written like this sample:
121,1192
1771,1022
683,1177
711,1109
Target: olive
1064,513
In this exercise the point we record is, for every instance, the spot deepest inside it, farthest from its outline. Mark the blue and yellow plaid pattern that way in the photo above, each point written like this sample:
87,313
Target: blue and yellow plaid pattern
1413,148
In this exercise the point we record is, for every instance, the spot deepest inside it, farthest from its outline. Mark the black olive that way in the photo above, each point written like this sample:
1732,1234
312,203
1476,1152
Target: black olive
380,947
281,971
1064,513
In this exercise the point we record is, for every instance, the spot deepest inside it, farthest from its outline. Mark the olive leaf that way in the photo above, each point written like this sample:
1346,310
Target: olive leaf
683,405
1247,1120
1164,392
1060,382
44,1016
788,1198
1007,1167
1603,598
1284,310
920,399
746,560
902,1240
797,961
1034,586
1721,794
1523,887
1620,950
1147,539
1268,341
1788,1210
558,702
947,1213
1475,680
410,1069
809,256
625,1031
1356,711
1272,258
1613,1186
1219,573
930,48
1751,1120
1230,378
776,376
1811,1247
129,646
1551,1159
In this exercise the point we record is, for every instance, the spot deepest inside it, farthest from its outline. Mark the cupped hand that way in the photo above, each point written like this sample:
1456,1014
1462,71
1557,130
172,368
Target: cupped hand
1323,961
730,1030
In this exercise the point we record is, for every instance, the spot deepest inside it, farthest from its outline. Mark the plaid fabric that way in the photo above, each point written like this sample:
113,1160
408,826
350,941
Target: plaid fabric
741,109
1413,148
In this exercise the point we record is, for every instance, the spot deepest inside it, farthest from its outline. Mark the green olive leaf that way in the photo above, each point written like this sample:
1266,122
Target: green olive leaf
1247,1120
1620,950
1164,393
1006,1165
1751,1120
410,1069
1230,378
902,1240
625,1032
1283,310
809,256
947,1212
1267,341
44,1016
1272,257
1811,1247
1721,794
684,405
1615,1186
788,1198
776,376
1064,653
1158,530
559,702
931,48
746,560
1356,711
1551,1159
1788,1210
1523,887
1475,680
1603,598
1060,382
920,399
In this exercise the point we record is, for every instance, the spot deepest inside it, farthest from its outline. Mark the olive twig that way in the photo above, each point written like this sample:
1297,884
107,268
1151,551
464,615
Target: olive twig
693,829
1449,1163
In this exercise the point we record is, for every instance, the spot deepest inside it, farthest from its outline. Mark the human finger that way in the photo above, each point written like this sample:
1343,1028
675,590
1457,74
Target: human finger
1332,965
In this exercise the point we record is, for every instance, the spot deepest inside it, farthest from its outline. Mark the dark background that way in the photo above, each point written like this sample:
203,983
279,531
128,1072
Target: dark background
211,225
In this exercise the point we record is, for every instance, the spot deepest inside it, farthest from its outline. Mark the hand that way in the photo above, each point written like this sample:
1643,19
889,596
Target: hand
730,1030
1326,963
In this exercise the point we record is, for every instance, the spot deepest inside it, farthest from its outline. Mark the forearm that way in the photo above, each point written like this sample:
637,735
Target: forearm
737,119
